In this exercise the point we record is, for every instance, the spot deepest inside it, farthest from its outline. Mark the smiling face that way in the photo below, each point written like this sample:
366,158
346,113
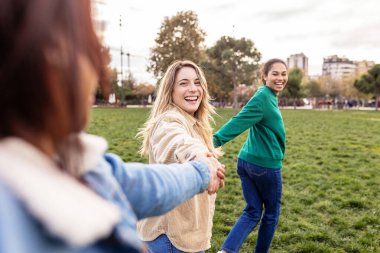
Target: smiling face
187,91
277,77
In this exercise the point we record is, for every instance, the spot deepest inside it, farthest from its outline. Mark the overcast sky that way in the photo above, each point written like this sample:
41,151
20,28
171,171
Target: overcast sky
279,28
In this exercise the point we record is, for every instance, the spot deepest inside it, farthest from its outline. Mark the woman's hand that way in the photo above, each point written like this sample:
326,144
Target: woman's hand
217,171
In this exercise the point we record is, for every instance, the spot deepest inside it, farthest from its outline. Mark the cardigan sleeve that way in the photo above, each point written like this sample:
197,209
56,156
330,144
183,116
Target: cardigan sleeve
172,140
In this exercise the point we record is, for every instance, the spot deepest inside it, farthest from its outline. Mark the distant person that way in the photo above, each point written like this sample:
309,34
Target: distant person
178,130
59,190
260,159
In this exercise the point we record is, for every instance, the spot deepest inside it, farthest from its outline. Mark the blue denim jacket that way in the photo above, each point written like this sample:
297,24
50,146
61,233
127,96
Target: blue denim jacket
138,190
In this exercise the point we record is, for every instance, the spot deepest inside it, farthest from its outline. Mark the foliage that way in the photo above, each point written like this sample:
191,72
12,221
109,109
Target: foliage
313,89
179,38
370,83
231,62
331,87
143,90
130,91
114,82
126,88
245,92
293,87
121,91
110,74
130,82
348,89
331,191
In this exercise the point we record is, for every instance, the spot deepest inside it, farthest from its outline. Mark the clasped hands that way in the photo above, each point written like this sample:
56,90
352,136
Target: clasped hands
217,171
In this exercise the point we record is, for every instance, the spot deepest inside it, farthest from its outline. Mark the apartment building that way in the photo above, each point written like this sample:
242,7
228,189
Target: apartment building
338,68
299,61
363,67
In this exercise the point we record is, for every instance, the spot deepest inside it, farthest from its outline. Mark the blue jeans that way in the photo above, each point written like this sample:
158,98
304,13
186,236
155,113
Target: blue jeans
262,189
162,244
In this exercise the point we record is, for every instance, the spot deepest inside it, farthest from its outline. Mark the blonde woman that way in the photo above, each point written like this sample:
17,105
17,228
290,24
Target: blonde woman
179,130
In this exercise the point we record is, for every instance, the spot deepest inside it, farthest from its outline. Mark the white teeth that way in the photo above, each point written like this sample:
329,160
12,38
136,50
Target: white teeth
191,98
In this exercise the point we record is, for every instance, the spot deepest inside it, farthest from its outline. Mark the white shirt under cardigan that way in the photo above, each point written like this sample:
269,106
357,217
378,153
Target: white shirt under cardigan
175,139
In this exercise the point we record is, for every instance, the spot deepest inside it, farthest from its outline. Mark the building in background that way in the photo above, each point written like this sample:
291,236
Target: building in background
363,67
338,68
299,61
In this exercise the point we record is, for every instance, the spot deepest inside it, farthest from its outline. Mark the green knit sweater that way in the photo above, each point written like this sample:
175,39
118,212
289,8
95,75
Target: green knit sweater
265,144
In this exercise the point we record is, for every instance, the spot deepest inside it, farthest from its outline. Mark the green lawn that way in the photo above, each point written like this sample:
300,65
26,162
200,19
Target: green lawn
331,178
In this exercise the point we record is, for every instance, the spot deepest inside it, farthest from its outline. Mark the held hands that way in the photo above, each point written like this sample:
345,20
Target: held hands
217,171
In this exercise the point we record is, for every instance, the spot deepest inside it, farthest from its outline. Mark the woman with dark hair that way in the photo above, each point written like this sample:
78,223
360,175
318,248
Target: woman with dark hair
59,190
260,159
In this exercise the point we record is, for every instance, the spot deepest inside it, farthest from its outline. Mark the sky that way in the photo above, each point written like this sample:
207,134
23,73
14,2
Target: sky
278,28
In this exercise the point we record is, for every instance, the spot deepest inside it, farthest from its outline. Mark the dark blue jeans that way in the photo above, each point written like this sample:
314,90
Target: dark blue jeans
262,189
162,244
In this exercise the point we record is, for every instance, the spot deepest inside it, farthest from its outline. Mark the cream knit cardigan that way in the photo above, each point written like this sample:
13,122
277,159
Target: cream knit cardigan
175,139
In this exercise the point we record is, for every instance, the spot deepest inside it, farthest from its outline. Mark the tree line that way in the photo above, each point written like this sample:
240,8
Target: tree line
231,62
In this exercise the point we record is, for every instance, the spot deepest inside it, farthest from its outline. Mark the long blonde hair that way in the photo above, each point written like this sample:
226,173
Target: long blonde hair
164,102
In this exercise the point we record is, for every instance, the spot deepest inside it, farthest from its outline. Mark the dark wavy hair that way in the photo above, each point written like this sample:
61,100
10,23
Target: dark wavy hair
268,65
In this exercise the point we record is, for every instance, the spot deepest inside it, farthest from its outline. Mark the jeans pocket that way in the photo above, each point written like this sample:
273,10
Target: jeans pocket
257,171
259,174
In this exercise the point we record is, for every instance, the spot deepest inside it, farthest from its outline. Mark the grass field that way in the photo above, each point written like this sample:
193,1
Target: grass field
331,178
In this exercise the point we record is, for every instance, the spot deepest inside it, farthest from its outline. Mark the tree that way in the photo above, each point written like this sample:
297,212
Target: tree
244,93
351,92
127,89
293,87
179,38
347,87
142,92
231,62
110,73
115,88
370,83
313,89
331,87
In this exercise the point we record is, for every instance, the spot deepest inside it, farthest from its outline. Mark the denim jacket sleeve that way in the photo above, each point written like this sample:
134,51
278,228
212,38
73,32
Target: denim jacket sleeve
157,188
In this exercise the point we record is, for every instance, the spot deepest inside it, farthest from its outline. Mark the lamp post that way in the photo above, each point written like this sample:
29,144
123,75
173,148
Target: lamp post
129,71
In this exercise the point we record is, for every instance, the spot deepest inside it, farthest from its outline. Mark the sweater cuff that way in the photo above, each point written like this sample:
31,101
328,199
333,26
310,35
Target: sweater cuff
216,141
203,171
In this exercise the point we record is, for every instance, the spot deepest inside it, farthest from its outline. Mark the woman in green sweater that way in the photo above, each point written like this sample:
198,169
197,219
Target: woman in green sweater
259,160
